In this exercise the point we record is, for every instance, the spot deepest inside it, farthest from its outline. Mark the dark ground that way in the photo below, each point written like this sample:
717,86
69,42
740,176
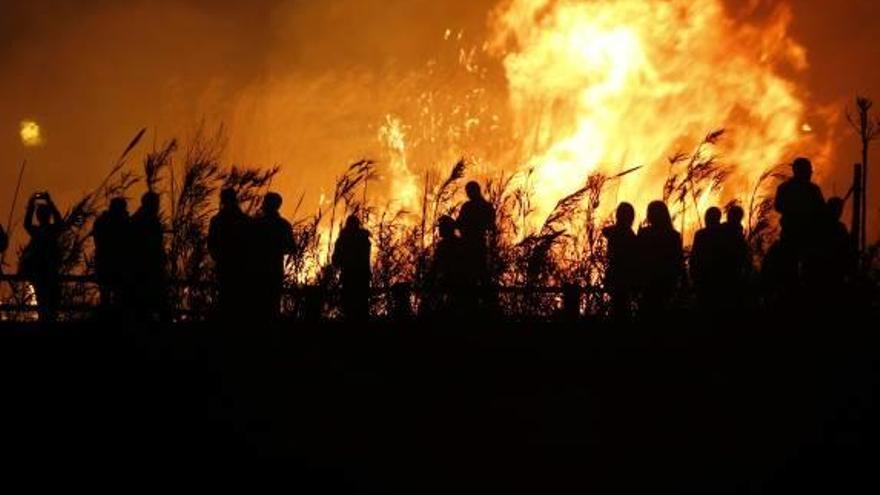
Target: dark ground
739,407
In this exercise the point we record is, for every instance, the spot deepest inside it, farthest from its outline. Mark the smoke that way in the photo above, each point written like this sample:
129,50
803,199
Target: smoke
338,72
296,83
308,84
91,75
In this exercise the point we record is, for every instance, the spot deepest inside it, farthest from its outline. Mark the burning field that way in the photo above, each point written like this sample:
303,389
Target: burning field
560,108
558,91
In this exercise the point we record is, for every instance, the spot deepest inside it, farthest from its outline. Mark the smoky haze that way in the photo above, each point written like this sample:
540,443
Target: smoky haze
303,84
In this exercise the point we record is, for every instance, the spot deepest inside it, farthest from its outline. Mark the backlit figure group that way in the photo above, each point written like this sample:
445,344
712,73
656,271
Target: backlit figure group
645,273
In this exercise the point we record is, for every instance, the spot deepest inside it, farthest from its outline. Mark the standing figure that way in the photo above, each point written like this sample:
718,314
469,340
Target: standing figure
273,240
622,271
707,261
733,223
111,233
351,255
229,236
738,258
41,259
446,275
661,260
148,261
838,261
802,207
476,220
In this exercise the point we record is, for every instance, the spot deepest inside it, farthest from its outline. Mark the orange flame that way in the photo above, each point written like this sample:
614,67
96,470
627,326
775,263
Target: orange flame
403,182
605,85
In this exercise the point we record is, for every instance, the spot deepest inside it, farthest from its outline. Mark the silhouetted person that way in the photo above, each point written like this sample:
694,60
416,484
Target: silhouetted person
112,258
621,275
273,240
351,255
802,207
790,261
706,258
837,261
41,259
734,223
229,236
717,263
661,260
476,220
445,277
148,270
738,257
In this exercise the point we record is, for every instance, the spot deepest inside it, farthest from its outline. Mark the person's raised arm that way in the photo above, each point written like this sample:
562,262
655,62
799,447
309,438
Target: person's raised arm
29,215
57,219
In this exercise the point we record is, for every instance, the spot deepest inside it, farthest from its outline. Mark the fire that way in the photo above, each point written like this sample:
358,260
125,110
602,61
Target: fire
404,187
606,85
30,133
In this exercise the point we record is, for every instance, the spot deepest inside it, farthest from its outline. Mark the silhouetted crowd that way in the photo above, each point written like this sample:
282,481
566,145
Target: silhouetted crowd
645,273
814,260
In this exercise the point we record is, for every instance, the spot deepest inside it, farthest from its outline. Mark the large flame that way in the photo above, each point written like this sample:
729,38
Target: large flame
605,85
564,88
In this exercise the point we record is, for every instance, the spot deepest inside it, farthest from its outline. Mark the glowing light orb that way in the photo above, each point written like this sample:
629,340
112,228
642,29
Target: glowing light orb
30,133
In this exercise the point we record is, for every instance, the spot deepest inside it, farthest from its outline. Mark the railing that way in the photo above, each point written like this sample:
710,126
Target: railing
313,302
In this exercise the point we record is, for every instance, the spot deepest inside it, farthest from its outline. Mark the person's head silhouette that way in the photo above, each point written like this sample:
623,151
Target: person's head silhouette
228,198
735,215
44,214
713,217
835,208
658,216
352,223
446,227
625,215
272,203
803,169
118,206
472,189
150,203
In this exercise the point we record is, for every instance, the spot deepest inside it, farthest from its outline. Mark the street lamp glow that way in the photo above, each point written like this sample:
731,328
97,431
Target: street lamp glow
30,133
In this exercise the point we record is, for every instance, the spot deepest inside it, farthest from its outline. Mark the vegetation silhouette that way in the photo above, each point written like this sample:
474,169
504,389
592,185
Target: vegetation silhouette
177,258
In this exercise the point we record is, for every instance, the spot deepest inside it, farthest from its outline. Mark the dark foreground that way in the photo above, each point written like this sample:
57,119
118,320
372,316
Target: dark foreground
752,406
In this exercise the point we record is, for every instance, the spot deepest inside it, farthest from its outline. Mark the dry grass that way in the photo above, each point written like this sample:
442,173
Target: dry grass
566,249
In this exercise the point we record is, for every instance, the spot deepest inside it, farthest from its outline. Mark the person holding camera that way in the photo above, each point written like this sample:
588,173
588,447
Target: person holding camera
41,259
